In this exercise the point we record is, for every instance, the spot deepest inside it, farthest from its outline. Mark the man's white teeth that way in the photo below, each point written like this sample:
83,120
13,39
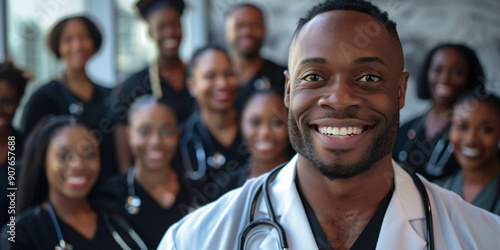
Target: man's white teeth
340,131
470,152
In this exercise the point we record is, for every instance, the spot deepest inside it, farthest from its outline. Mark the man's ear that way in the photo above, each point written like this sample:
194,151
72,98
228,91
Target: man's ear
403,83
190,86
287,88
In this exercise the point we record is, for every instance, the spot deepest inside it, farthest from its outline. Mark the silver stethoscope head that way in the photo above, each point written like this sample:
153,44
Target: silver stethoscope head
217,160
64,246
133,203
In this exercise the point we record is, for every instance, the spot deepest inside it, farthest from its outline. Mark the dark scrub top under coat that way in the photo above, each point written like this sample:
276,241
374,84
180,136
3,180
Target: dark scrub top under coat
34,230
369,236
216,181
138,85
152,221
270,76
419,150
4,182
486,199
50,99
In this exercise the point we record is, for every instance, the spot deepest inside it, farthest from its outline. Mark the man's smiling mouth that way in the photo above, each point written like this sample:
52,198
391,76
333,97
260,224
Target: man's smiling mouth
341,132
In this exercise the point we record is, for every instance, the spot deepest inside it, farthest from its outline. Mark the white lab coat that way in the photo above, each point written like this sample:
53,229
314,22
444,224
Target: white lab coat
457,224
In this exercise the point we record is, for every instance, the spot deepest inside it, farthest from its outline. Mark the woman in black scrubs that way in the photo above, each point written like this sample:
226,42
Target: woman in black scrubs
265,131
12,85
475,134
164,78
211,146
448,71
74,40
152,195
60,167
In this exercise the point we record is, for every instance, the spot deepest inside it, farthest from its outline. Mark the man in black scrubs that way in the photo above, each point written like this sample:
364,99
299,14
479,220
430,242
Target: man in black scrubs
344,89
245,31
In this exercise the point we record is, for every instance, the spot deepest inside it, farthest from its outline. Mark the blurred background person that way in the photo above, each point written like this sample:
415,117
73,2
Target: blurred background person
12,85
164,78
475,135
264,129
448,71
61,167
152,195
245,32
211,145
74,40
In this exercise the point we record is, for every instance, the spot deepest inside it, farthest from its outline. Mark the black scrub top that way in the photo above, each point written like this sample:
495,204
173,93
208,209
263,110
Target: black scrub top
369,236
138,85
152,221
270,76
216,181
34,230
7,212
413,144
54,98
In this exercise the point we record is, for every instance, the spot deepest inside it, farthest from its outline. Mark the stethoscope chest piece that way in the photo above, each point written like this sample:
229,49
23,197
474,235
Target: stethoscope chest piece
262,83
64,246
217,160
76,108
132,205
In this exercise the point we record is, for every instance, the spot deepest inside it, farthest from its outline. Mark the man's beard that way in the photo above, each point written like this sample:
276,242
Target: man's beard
380,147
250,54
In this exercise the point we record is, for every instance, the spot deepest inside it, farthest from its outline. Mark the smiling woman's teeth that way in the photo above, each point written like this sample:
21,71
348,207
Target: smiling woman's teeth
76,180
470,152
340,132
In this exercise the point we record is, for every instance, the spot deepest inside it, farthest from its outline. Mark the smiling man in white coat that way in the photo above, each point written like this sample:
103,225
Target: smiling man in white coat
344,89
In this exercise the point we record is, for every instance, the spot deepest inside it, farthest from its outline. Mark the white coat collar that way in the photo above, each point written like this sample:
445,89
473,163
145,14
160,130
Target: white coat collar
396,232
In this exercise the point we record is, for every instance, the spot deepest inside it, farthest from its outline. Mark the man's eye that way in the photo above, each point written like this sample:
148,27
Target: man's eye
313,78
369,78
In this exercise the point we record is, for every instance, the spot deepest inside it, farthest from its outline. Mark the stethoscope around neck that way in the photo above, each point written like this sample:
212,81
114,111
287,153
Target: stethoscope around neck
442,152
75,107
63,245
133,202
216,160
272,222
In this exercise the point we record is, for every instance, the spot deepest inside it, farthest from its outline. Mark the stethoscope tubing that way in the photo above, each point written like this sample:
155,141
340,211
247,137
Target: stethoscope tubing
271,221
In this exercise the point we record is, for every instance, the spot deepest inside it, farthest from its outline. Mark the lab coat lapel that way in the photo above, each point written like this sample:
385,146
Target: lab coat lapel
404,210
289,212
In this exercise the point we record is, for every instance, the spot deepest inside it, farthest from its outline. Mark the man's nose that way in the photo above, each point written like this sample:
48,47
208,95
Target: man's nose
340,95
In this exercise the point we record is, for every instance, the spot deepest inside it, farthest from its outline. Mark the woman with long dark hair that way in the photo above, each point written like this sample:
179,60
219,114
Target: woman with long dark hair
475,135
448,71
60,168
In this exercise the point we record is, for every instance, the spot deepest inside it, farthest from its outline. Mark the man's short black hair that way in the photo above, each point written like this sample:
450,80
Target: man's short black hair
242,5
355,5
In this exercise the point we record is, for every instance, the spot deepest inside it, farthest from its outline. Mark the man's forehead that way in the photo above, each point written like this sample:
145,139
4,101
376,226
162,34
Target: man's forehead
345,31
